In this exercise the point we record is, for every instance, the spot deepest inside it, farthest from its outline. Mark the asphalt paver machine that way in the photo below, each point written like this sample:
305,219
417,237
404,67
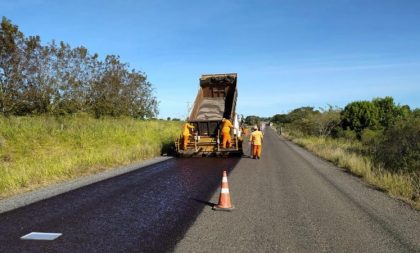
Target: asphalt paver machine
216,99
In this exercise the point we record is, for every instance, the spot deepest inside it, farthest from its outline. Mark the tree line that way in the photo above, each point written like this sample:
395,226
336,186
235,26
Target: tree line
390,132
58,79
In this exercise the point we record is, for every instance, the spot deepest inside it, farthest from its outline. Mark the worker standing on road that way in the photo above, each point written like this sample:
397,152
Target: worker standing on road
250,142
186,134
256,141
244,130
227,139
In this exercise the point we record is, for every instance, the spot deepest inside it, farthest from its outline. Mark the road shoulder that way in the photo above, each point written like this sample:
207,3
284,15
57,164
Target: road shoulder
31,197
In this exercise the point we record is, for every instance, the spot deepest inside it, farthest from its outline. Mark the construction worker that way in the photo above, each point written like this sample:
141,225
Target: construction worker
256,142
244,130
227,139
250,142
186,134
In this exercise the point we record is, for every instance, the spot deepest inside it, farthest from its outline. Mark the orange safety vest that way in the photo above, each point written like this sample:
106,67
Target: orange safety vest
227,125
256,137
186,129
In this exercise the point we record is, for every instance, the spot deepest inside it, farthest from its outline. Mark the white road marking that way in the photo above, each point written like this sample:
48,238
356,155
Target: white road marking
41,236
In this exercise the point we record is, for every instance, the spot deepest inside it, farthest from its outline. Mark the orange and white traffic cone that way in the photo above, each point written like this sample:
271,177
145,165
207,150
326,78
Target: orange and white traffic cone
224,199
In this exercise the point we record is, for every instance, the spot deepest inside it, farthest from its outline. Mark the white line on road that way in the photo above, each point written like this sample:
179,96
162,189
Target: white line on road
41,236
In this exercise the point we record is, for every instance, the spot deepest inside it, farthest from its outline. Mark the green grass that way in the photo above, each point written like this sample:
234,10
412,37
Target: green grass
348,154
37,151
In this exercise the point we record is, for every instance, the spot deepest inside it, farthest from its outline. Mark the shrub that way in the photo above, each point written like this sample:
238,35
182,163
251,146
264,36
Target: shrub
346,134
399,149
326,122
370,137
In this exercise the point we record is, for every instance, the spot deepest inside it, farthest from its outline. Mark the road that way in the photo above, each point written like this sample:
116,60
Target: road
289,201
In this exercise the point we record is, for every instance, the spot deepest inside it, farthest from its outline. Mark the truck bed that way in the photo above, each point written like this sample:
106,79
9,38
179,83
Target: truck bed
211,109
215,100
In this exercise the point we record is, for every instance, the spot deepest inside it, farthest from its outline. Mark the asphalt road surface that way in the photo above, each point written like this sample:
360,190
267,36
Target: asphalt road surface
289,201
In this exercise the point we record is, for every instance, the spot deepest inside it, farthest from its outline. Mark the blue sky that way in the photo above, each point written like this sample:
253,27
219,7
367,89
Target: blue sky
287,53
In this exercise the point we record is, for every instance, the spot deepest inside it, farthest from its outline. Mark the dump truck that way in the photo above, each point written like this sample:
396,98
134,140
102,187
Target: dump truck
216,99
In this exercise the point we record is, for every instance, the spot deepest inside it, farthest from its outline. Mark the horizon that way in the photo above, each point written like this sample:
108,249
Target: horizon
287,54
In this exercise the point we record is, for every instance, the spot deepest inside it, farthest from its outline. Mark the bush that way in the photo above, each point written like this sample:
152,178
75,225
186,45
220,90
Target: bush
399,149
305,126
326,122
370,137
346,134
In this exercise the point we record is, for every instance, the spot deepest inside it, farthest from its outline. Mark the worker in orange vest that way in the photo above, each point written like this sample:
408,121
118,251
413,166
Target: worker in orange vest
227,139
245,131
256,142
250,142
186,134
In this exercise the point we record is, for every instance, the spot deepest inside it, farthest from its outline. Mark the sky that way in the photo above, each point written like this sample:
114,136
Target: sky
287,53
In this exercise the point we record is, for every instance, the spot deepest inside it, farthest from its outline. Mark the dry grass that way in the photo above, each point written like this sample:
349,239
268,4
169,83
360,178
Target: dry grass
344,153
37,151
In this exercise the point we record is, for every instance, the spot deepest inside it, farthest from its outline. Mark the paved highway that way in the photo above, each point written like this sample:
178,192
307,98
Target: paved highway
289,201
292,201
148,210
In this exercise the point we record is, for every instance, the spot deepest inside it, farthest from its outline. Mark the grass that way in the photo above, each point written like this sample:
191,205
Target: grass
348,154
37,151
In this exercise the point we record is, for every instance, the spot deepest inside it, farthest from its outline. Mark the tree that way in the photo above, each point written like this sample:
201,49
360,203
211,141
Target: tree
388,112
326,121
301,113
59,79
24,79
11,44
359,115
416,113
280,119
119,92
301,119
252,120
35,87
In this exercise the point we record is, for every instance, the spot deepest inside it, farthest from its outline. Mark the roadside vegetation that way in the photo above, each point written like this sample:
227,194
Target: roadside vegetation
376,140
37,151
57,79
66,112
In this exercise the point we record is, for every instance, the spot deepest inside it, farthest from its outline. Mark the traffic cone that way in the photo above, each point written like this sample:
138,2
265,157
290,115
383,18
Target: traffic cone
224,199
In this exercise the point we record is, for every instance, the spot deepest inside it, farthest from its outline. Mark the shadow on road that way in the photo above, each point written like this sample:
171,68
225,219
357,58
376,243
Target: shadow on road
204,202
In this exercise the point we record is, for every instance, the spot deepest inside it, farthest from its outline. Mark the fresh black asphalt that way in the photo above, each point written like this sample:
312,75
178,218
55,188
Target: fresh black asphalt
148,210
